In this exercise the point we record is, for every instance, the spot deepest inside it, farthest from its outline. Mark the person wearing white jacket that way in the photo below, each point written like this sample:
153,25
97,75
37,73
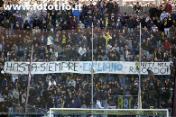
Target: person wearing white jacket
98,104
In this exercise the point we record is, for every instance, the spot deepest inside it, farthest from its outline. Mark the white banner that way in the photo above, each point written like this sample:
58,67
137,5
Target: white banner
84,67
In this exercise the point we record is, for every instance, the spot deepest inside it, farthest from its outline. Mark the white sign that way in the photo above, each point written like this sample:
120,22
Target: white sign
84,67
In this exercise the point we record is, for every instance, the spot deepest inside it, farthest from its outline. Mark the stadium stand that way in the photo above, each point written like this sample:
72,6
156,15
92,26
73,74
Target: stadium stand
66,36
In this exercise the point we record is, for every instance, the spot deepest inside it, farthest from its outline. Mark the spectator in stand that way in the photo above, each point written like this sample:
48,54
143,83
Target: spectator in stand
167,45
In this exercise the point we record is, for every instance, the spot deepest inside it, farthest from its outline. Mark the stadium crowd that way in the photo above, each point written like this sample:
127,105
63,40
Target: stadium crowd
66,36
